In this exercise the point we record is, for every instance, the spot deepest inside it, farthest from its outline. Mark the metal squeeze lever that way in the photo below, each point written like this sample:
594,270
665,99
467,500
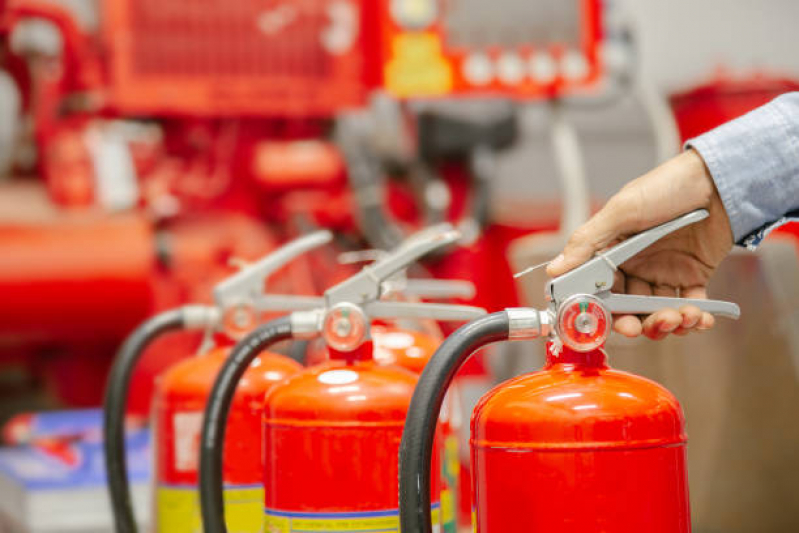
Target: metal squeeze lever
237,297
345,311
399,283
581,306
596,277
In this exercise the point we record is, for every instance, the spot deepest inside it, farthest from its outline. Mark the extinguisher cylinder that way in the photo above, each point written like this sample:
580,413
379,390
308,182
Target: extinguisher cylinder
417,445
216,415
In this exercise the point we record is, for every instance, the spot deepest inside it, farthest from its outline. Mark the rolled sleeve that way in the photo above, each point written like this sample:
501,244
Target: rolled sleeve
754,161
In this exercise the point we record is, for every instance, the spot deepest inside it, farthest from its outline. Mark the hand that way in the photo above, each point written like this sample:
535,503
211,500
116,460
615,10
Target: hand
680,264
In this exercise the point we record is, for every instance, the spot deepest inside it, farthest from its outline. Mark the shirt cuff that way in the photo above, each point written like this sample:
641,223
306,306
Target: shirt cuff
754,162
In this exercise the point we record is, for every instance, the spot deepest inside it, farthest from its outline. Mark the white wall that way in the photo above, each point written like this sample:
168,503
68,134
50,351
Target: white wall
683,41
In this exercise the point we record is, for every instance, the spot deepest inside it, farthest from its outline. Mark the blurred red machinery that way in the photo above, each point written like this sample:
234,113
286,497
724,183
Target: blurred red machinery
203,121
510,48
185,112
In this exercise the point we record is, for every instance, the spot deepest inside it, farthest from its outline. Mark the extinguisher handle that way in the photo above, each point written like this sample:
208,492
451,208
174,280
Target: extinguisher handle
367,285
419,288
597,275
433,311
248,284
433,289
645,305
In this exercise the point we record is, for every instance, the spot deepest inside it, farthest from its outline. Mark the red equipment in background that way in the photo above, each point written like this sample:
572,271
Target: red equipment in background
180,398
60,276
512,48
249,58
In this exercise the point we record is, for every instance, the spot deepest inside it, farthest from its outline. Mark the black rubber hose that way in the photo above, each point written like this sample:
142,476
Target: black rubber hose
116,396
416,447
216,414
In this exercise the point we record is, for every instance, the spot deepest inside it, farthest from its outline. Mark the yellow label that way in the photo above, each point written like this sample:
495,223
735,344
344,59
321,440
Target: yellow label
452,458
451,466
418,66
358,522
448,510
178,509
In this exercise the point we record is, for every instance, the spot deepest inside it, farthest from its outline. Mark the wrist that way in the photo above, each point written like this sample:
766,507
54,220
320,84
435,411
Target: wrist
697,183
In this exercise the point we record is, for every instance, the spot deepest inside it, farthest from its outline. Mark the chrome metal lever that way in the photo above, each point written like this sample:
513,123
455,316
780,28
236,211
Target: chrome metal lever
248,284
367,285
596,275
432,311
644,305
433,289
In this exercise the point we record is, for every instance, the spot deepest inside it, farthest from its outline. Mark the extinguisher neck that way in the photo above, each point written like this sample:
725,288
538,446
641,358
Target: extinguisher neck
362,353
570,359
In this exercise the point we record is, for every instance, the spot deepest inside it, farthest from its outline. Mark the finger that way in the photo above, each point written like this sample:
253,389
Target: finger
658,325
691,316
695,293
664,290
707,322
638,286
619,282
628,325
591,237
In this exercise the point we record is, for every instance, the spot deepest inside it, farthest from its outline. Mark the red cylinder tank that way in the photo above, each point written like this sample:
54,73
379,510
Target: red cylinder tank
180,398
579,447
412,350
331,447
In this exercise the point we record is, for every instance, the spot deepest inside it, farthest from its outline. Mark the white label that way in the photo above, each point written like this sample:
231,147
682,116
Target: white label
187,427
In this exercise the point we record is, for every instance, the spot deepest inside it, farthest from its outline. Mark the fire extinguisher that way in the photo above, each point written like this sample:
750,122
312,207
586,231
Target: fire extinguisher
332,432
577,446
402,345
181,394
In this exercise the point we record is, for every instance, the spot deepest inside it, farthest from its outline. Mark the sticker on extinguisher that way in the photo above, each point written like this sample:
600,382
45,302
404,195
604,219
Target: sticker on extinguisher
357,522
178,508
187,428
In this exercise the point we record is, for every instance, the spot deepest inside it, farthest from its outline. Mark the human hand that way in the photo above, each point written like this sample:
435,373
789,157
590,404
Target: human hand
680,264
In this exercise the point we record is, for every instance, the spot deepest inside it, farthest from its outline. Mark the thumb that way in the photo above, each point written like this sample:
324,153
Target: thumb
595,235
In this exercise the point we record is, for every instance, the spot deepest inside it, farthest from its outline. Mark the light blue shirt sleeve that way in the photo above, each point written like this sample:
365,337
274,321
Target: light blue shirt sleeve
754,161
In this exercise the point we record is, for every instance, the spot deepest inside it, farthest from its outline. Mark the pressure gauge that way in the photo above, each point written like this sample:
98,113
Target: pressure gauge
414,14
583,323
345,327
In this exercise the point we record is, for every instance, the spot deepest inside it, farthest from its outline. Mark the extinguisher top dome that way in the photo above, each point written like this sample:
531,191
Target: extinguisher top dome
578,402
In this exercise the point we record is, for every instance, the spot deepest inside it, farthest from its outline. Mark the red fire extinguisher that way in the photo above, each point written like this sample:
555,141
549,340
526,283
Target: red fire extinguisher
332,432
411,349
575,447
181,395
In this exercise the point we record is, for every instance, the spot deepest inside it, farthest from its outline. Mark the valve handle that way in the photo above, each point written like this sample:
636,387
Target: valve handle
443,312
638,243
419,288
595,277
414,248
367,285
434,289
248,284
645,305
